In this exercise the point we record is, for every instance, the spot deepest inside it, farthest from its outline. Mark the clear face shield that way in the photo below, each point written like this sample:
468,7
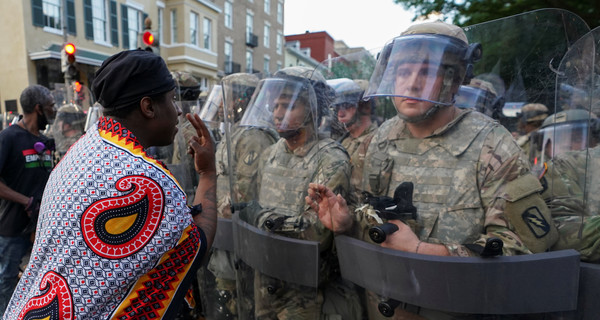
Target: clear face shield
286,104
549,142
478,99
212,112
348,76
421,71
347,97
68,127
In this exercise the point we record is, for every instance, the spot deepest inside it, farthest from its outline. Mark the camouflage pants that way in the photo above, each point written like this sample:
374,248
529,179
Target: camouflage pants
276,299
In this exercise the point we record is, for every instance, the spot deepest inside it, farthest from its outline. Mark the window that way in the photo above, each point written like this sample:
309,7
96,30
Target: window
267,36
267,6
99,20
228,12
204,84
280,12
207,29
249,24
266,67
52,16
133,27
279,42
194,28
173,26
279,65
249,61
228,51
161,12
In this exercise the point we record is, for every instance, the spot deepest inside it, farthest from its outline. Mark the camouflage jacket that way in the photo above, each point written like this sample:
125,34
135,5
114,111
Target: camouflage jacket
247,144
283,178
571,185
471,182
357,148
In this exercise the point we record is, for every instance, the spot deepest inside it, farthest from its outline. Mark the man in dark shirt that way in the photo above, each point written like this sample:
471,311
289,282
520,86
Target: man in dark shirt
25,164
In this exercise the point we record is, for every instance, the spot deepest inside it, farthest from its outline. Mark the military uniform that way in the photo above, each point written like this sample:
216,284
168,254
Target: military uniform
247,145
283,183
471,182
572,182
467,176
356,148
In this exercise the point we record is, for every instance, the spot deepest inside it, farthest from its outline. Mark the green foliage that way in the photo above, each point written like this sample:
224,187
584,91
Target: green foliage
470,12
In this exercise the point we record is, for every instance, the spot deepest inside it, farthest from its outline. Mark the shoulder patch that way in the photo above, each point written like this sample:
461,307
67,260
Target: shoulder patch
534,219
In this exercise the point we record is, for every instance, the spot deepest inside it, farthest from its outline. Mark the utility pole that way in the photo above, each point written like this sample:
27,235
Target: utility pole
63,54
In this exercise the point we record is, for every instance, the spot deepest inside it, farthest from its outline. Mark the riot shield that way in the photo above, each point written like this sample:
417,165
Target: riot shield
397,283
74,102
212,115
353,118
566,150
236,162
179,162
285,264
68,127
520,53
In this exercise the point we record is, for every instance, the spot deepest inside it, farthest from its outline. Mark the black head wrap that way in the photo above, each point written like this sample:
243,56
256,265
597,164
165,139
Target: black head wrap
130,75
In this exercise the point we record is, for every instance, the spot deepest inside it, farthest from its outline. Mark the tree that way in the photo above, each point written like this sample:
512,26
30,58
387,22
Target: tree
469,12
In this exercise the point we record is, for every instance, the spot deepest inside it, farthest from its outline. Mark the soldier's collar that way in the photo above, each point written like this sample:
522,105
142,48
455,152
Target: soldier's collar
460,139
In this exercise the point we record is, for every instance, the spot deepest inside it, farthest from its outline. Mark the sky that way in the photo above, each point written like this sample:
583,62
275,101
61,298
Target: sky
359,23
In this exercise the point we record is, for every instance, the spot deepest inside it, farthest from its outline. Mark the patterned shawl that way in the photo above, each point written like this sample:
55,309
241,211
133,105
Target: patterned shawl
115,238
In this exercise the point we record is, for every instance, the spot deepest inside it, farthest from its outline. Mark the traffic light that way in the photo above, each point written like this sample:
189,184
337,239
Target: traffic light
148,37
68,60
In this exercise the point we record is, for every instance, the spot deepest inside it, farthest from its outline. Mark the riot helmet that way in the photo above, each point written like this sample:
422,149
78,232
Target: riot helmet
187,91
238,89
424,68
532,116
188,88
348,95
68,126
481,96
568,130
293,100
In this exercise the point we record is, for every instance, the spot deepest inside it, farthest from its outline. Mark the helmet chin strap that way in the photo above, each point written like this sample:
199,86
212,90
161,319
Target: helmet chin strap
428,114
289,134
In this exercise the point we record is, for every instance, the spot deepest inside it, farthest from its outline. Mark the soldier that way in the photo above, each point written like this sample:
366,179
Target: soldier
481,96
471,182
531,117
68,127
567,143
246,143
294,100
355,114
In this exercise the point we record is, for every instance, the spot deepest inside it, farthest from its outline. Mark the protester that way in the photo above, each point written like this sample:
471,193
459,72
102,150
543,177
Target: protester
116,238
25,164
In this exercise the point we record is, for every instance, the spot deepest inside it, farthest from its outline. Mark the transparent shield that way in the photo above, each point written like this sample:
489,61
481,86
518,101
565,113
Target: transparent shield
355,118
518,61
68,127
212,113
237,158
570,138
73,103
283,251
402,285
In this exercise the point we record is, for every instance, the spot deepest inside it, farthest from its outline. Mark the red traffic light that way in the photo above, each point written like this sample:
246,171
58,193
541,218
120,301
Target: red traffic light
70,48
148,38
77,86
